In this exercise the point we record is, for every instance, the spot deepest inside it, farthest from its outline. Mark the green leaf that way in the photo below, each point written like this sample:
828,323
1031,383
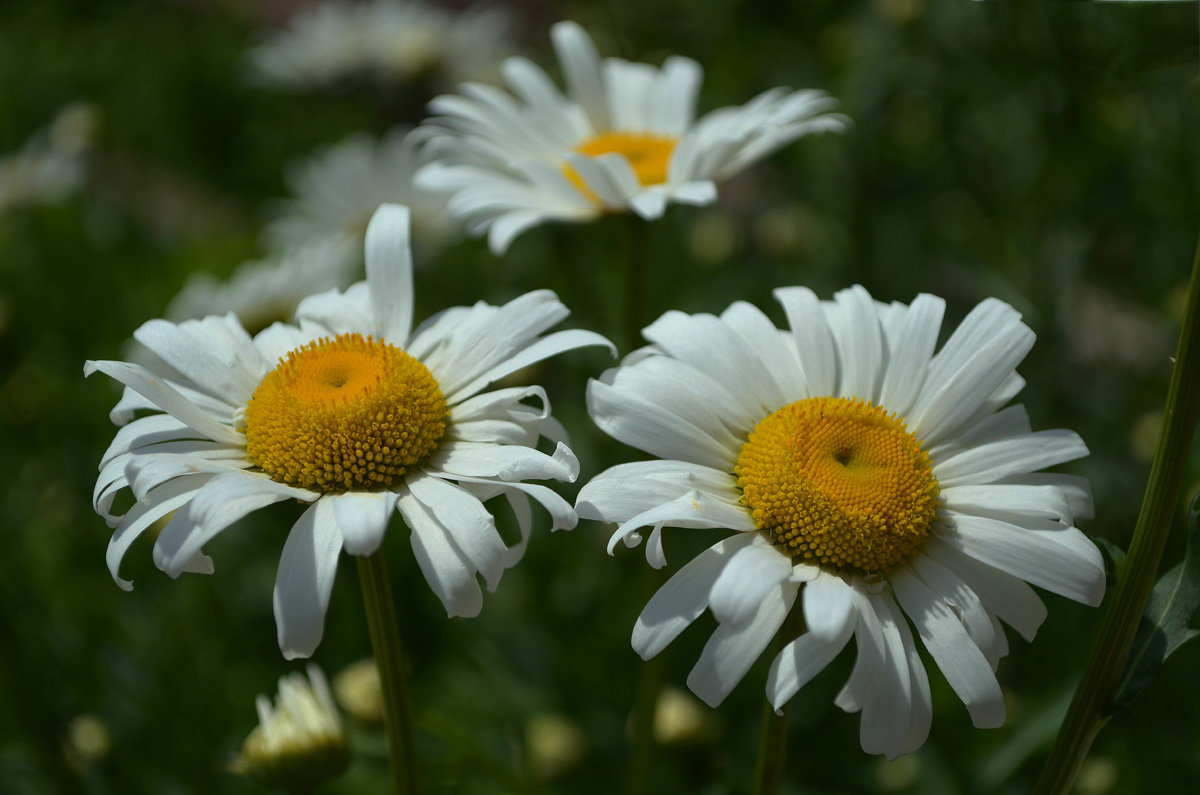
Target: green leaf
1114,558
1169,610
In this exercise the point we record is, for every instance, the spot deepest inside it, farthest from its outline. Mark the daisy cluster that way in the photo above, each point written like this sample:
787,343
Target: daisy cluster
391,42
867,485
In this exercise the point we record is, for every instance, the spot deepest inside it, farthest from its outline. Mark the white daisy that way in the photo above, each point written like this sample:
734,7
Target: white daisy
354,413
864,474
52,164
338,188
624,137
299,741
385,41
262,292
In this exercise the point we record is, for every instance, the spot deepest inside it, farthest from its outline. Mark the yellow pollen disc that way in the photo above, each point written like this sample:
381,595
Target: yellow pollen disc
648,154
344,414
838,482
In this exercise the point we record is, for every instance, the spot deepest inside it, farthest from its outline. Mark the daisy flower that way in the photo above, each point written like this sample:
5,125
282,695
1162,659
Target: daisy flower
261,292
52,165
357,415
876,486
300,740
338,188
385,41
624,138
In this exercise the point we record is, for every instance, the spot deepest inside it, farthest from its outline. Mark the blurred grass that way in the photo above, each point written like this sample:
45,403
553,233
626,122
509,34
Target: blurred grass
1044,153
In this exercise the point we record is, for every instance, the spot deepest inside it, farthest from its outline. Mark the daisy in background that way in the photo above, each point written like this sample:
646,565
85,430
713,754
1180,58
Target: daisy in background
338,188
624,138
357,415
262,292
385,41
300,741
316,239
872,484
52,164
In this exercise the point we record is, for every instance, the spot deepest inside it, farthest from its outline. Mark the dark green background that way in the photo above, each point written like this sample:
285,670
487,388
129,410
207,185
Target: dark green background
1044,153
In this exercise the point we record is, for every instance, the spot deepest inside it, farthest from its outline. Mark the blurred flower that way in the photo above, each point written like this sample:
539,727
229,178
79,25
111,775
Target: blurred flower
339,187
385,41
897,774
679,719
360,691
301,741
262,292
1097,776
859,469
88,740
554,744
354,413
51,165
625,138
1143,436
1111,331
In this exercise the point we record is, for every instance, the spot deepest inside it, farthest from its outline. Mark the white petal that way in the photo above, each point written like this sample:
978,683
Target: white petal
717,350
682,599
166,398
732,649
505,462
1070,566
828,607
640,422
895,721
960,660
157,503
218,504
304,580
509,226
769,345
389,272
211,365
619,493
1044,501
1003,595
951,589
536,351
581,67
860,344
1015,456
745,581
469,522
956,389
277,340
802,659
446,570
362,517
870,665
814,339
692,509
910,353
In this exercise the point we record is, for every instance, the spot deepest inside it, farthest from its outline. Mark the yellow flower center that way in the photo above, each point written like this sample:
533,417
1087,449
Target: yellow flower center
344,414
649,155
838,482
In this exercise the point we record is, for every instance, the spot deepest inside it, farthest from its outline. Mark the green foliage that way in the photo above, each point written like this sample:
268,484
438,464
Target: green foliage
1164,627
1046,156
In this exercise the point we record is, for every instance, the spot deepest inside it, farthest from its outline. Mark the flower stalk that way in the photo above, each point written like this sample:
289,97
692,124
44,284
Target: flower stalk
389,658
1091,707
772,737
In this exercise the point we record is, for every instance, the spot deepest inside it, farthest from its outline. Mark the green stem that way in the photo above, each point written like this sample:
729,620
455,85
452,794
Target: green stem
389,659
645,704
636,261
772,736
651,674
1090,709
